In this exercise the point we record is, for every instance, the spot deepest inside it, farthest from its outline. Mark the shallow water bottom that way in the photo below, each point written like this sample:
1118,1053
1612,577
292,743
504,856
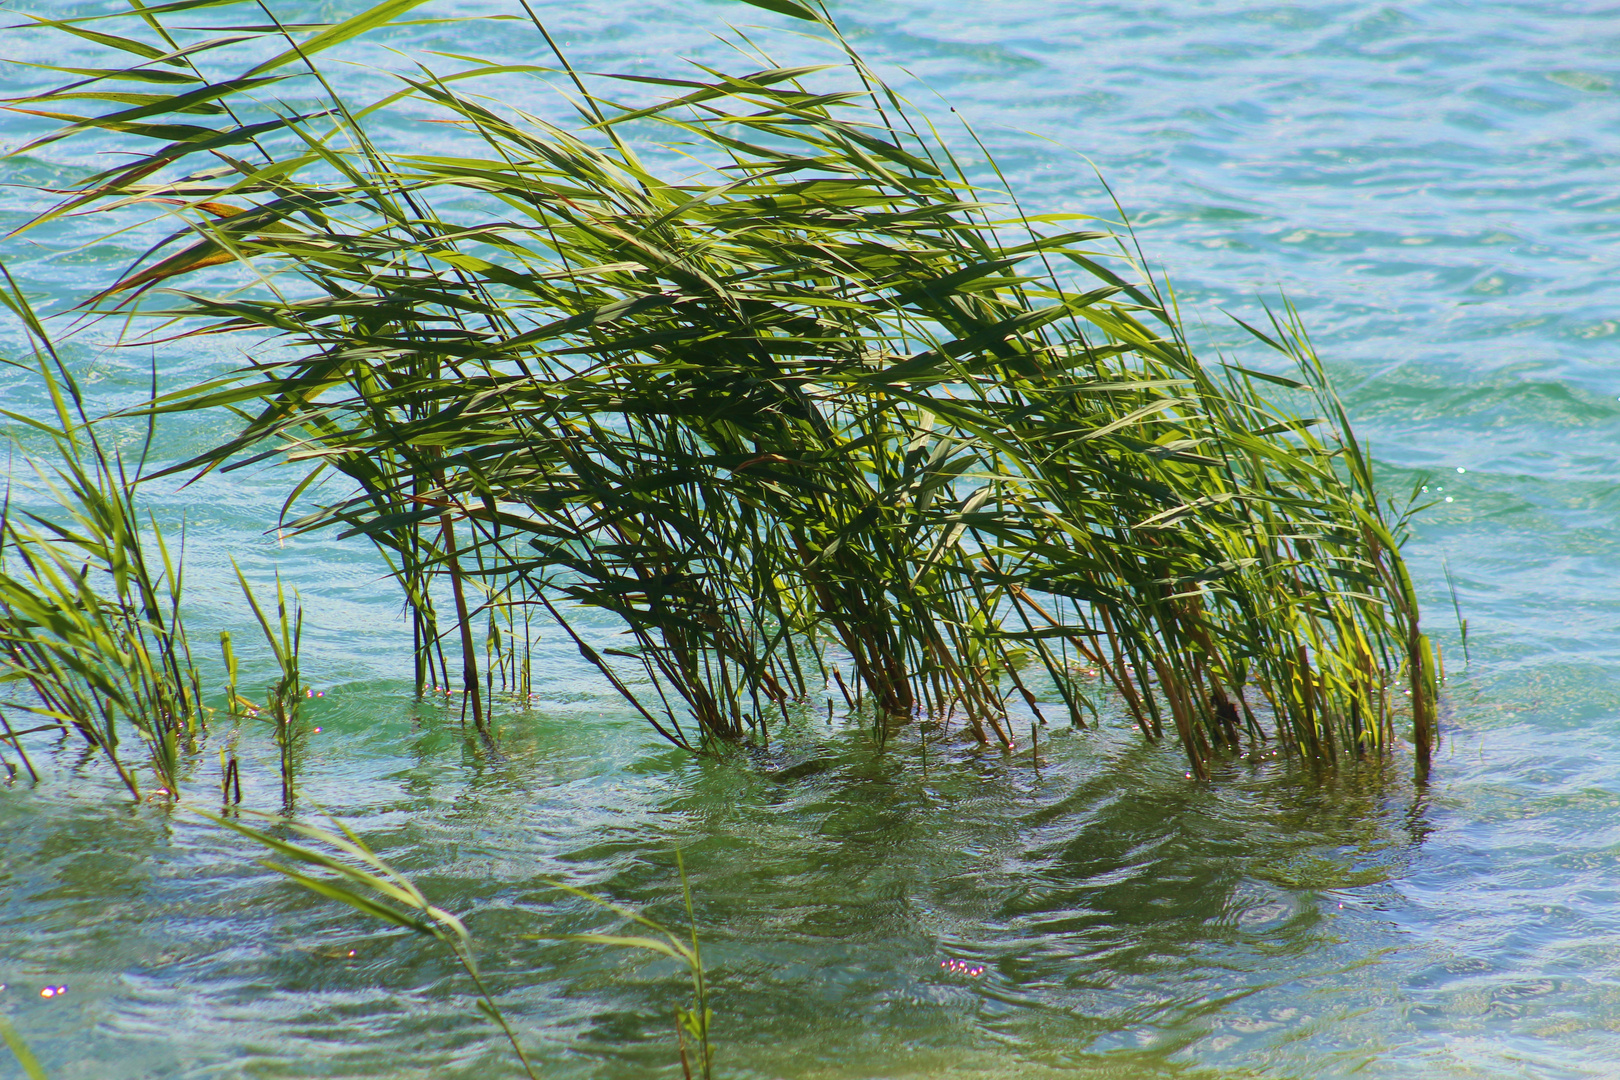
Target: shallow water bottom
865,916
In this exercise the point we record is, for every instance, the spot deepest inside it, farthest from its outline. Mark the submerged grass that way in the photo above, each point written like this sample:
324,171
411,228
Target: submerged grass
20,1051
819,411
349,872
355,875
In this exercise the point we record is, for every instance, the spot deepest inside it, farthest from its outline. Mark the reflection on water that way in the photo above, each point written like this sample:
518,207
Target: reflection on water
866,919
1433,184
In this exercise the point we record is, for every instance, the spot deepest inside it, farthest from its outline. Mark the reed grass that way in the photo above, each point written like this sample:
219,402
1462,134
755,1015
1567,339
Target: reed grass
92,637
92,640
286,694
819,410
350,873
353,874
356,876
21,1052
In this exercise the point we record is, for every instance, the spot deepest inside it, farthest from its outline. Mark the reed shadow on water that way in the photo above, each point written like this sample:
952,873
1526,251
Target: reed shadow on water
1104,919
1109,919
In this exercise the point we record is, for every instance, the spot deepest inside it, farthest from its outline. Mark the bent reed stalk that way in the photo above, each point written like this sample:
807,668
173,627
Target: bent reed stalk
819,411
355,875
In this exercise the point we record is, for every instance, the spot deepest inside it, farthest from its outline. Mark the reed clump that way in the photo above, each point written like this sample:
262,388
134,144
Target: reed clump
812,409
92,640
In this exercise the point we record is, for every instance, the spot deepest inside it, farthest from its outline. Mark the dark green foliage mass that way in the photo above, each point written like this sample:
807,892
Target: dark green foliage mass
801,402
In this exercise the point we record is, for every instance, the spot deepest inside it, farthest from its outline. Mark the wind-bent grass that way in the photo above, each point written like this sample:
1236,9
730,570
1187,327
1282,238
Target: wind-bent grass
819,407
355,875
19,1049
91,636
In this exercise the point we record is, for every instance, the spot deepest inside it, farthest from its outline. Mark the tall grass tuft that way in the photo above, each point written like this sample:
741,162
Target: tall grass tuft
811,409
694,1023
92,638
286,694
92,641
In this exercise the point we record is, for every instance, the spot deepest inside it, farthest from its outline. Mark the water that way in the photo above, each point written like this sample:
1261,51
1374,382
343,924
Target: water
1431,183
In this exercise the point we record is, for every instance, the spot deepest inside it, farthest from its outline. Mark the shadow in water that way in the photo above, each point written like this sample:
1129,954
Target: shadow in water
860,916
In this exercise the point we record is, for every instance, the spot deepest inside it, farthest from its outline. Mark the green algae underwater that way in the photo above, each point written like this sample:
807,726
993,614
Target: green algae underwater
811,455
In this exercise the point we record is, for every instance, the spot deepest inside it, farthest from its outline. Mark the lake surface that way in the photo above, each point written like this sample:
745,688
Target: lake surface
1433,184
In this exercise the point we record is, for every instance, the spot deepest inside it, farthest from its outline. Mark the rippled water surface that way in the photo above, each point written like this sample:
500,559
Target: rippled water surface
1433,184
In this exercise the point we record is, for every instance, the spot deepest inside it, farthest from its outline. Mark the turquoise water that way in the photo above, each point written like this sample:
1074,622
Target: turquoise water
1431,184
